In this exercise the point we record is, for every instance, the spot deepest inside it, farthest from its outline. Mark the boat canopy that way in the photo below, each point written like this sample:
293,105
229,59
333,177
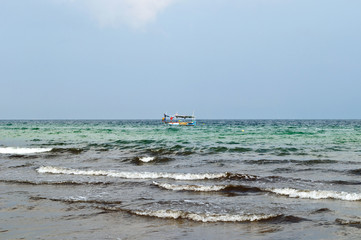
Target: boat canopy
184,116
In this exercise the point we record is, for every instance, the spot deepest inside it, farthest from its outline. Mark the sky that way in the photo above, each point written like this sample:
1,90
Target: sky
221,59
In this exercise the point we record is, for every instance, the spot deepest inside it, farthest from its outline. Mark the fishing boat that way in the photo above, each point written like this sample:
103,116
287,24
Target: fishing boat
179,120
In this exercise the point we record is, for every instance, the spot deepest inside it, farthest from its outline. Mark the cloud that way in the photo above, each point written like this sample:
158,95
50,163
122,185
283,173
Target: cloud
135,13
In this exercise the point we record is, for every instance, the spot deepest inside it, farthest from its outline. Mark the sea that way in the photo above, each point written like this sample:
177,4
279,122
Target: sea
141,179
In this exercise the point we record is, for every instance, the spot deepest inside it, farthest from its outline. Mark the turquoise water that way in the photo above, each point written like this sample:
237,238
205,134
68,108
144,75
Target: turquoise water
140,179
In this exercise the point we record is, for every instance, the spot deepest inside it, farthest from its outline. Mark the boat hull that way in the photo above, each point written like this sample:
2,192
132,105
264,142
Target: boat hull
181,123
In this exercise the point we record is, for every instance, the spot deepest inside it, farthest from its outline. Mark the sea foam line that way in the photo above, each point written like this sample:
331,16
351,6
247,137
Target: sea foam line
15,150
317,194
172,214
290,192
146,159
131,175
197,188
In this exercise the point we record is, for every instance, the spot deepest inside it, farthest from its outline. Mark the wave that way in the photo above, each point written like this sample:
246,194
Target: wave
15,150
115,205
222,149
317,194
355,171
293,193
132,175
210,188
79,199
341,182
350,223
142,160
67,150
197,188
205,217
27,182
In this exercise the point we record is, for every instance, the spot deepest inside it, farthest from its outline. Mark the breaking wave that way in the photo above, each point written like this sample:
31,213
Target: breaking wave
146,159
317,194
197,188
205,188
132,175
290,192
15,150
204,217
78,199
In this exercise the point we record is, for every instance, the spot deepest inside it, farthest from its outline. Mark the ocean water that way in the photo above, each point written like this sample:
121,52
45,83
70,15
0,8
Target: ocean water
222,179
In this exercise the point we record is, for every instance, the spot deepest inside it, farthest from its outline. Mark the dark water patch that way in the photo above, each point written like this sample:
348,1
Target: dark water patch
266,161
278,151
286,219
316,161
35,140
341,182
291,132
145,141
262,150
67,150
22,156
120,142
240,149
283,170
173,129
291,169
52,143
185,152
321,210
333,149
35,129
281,154
348,223
22,165
287,161
355,171
176,150
241,189
218,149
176,147
106,130
291,149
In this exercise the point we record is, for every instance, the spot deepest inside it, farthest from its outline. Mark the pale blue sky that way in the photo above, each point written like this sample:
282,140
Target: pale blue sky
135,59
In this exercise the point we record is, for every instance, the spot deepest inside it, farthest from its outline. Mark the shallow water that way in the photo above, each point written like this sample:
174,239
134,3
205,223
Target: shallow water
248,179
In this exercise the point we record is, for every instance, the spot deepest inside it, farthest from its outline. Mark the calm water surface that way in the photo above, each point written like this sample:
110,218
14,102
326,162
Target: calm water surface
224,179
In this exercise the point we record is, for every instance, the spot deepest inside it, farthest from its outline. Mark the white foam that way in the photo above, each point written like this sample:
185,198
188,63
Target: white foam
197,188
146,159
13,150
131,175
203,217
317,194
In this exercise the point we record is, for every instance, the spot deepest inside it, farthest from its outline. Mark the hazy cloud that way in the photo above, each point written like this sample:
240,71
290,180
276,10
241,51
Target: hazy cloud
135,13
